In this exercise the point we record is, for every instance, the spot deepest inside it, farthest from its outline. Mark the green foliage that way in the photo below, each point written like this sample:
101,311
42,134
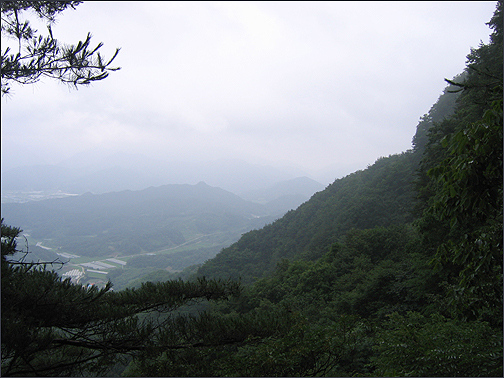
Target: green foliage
306,351
414,345
9,240
470,199
461,188
39,56
471,176
474,94
293,347
371,273
205,342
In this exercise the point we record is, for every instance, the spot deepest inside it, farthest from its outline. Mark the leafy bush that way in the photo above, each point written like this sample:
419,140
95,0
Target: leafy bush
414,345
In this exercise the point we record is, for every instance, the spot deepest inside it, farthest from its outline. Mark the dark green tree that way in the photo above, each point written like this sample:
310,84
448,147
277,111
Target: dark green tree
39,56
462,223
470,199
417,346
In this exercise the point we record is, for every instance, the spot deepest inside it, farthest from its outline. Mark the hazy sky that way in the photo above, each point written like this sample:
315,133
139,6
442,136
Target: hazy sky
313,85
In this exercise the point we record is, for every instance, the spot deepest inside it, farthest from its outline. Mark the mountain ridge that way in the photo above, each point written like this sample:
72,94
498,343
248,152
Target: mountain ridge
116,172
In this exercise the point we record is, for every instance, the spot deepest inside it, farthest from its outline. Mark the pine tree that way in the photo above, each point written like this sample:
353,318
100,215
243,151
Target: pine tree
53,327
39,56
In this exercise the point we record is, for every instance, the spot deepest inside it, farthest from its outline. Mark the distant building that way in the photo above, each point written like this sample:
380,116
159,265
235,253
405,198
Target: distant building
75,275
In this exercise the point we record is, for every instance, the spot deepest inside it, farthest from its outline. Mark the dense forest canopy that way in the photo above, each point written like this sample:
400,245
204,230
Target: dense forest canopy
395,270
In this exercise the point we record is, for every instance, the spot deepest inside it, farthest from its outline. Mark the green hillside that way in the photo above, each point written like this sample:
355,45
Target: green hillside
381,195
132,222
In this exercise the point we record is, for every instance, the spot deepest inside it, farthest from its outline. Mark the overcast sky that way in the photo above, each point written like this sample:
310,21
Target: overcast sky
312,85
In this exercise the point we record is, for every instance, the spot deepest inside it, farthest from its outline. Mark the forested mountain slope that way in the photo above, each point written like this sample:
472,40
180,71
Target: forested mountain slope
383,194
398,298
378,196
